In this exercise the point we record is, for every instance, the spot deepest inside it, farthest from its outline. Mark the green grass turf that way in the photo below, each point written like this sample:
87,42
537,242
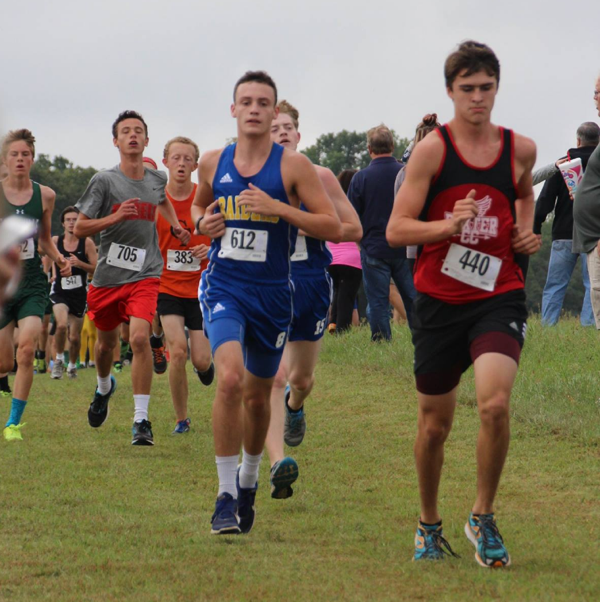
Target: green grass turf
85,516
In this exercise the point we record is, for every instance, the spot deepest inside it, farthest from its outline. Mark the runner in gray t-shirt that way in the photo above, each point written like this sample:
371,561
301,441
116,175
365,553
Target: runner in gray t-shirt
105,193
120,204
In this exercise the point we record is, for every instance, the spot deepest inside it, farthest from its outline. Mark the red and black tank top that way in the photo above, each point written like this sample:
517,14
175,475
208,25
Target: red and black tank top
490,232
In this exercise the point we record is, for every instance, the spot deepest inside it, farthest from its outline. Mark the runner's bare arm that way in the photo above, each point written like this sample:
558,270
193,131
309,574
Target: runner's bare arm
204,204
404,227
92,255
168,212
45,241
351,226
298,173
524,240
88,226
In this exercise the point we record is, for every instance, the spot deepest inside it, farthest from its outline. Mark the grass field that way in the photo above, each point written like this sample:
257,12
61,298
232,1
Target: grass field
85,516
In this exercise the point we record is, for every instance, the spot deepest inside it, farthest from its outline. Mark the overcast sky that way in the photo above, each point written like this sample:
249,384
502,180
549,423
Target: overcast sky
71,66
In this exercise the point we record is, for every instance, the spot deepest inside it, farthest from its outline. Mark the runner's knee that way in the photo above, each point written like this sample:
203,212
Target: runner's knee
178,354
494,411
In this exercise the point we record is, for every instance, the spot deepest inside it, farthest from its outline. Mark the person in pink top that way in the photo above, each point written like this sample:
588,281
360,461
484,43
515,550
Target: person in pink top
346,272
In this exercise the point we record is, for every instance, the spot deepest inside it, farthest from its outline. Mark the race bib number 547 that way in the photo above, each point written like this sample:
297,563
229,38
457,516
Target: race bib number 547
472,267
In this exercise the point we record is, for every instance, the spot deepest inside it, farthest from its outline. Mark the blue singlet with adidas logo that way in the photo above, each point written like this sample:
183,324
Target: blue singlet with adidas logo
254,248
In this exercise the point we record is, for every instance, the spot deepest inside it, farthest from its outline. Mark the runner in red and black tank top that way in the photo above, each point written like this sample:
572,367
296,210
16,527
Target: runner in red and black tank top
490,232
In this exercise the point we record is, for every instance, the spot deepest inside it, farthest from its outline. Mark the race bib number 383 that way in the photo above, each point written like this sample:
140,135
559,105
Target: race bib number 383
472,267
182,261
128,258
243,244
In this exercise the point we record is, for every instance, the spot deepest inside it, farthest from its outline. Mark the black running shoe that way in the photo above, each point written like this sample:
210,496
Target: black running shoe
159,359
207,376
245,504
142,433
98,411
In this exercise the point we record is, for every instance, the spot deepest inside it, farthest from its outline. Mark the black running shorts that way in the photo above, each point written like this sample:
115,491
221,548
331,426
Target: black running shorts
179,306
448,338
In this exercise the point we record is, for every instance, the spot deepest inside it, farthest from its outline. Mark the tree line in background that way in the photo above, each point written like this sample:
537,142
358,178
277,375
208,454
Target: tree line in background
337,151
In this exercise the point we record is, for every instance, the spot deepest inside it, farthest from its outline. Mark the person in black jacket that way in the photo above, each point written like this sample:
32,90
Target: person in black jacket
555,197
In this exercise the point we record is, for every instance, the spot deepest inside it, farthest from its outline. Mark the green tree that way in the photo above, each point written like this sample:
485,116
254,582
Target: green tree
67,180
347,150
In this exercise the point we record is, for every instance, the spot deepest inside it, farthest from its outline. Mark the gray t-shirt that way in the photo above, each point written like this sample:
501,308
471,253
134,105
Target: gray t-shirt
586,207
128,250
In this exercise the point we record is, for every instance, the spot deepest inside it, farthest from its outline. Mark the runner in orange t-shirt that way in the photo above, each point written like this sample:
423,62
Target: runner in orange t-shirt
178,304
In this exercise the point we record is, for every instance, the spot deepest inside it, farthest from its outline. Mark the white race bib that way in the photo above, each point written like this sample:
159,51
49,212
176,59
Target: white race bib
243,244
301,252
71,282
182,261
27,249
129,258
472,267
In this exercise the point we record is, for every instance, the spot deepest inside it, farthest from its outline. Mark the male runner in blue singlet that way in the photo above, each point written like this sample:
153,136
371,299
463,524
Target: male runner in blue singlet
312,298
248,201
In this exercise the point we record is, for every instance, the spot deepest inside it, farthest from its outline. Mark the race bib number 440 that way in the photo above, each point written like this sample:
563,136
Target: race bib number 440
128,258
243,244
472,267
182,261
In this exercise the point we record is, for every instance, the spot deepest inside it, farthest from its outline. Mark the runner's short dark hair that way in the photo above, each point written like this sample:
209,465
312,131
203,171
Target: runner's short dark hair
69,209
128,115
473,57
260,77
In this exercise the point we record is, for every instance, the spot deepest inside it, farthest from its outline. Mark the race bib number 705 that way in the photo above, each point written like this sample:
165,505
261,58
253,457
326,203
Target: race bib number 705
123,256
472,267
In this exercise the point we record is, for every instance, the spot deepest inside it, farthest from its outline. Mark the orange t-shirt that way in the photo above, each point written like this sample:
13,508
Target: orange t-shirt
181,271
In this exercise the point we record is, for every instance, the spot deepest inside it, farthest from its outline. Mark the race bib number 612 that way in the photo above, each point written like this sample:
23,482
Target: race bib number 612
244,244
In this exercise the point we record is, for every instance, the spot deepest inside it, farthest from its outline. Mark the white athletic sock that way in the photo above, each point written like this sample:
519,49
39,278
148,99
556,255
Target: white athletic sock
72,365
60,357
104,385
156,336
140,403
249,470
227,469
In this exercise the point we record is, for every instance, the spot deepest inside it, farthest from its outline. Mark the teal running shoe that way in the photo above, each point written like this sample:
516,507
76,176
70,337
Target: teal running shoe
430,543
283,474
482,532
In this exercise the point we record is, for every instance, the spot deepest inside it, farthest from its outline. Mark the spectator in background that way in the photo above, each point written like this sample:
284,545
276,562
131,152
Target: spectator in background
555,196
372,194
586,219
345,271
427,125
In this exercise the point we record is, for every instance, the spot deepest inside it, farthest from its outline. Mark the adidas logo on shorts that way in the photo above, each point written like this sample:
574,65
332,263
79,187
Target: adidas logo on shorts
226,179
218,307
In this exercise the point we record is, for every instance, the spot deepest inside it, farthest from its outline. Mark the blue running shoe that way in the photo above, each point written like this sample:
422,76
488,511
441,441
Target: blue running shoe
482,532
225,520
294,427
430,543
183,426
283,474
245,504
98,411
